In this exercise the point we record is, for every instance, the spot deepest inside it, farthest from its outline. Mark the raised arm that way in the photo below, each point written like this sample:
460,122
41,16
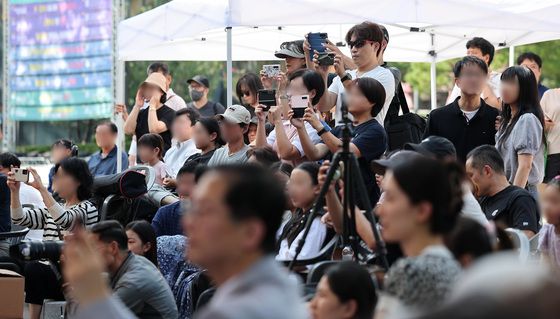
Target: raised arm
132,118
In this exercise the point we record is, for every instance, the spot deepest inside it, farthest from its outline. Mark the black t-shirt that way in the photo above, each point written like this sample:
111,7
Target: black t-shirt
209,109
370,138
201,159
164,114
513,206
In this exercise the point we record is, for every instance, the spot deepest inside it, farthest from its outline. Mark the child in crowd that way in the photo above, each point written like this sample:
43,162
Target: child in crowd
303,188
549,236
150,150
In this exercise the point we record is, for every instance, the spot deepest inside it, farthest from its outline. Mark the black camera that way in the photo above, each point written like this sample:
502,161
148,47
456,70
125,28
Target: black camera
326,59
36,250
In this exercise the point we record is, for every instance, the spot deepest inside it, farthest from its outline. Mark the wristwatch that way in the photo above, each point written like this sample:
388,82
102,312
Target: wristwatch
346,77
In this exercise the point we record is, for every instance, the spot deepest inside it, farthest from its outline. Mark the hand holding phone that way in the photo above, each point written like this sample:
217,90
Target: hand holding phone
267,98
299,103
20,174
326,59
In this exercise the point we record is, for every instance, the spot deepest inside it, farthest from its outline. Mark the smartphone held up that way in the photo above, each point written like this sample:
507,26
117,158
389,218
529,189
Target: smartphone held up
299,103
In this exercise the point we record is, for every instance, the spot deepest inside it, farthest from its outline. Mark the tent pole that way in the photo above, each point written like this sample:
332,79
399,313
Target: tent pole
433,75
119,87
512,55
229,67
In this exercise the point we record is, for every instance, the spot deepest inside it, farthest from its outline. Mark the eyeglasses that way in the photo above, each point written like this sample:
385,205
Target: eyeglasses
356,44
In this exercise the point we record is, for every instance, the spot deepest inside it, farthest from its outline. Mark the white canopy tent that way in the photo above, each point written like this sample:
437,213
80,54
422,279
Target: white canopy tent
421,31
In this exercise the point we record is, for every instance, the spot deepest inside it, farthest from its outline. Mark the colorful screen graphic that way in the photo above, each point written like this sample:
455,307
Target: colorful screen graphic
60,59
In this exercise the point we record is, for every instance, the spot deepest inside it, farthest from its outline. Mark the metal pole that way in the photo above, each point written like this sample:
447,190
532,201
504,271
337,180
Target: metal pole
229,67
433,75
512,55
119,83
8,126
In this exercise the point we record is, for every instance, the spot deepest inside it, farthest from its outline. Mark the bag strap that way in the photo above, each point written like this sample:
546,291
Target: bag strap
402,100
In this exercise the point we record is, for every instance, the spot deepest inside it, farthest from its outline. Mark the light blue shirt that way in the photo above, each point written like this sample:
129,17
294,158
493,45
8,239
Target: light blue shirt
99,165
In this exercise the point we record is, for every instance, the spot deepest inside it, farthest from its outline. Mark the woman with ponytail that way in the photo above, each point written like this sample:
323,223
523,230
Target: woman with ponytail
423,201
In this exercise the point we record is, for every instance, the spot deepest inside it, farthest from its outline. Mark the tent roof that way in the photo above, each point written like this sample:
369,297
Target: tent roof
194,30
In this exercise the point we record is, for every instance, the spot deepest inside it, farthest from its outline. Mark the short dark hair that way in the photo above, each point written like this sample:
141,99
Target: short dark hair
282,167
160,67
68,144
253,193
469,60
529,56
487,155
79,170
265,156
312,81
152,140
8,160
212,126
146,232
191,113
367,31
373,91
188,168
200,170
438,183
483,45
110,231
350,281
252,81
112,126
469,237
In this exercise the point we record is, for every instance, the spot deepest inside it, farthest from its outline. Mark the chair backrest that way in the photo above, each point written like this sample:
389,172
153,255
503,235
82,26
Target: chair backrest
520,242
148,171
105,207
318,270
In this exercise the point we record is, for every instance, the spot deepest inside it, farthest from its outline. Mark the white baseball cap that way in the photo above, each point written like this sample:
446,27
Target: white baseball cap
236,114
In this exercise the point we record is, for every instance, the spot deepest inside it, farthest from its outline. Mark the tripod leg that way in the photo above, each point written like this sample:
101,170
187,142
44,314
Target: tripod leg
364,198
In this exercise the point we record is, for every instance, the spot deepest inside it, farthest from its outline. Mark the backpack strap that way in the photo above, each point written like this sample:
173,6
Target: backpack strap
402,99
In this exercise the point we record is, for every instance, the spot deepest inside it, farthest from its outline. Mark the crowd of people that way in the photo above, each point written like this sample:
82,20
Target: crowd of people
236,188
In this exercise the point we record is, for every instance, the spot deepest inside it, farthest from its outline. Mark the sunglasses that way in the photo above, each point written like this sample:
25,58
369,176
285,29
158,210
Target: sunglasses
356,44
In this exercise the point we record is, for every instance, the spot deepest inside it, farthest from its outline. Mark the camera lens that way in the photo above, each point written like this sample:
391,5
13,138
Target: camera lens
24,172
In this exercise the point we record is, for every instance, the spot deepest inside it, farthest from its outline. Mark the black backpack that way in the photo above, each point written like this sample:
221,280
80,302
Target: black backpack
406,128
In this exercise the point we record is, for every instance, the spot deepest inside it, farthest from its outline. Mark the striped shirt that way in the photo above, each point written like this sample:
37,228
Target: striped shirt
55,218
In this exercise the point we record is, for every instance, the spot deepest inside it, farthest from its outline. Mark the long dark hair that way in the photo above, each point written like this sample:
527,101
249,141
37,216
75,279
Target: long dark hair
251,81
438,183
79,170
147,235
350,281
527,102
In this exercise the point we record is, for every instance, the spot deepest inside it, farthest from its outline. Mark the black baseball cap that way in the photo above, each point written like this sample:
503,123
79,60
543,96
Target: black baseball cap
381,165
434,146
202,80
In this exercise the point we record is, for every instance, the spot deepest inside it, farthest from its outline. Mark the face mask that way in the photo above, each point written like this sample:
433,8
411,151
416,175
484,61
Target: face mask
196,95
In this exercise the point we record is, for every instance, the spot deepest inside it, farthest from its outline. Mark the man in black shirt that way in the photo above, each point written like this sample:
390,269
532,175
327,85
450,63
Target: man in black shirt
199,87
500,201
468,121
157,117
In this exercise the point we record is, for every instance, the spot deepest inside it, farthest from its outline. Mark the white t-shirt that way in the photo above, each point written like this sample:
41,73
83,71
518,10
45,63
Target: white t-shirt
30,196
470,114
493,80
312,246
381,74
294,138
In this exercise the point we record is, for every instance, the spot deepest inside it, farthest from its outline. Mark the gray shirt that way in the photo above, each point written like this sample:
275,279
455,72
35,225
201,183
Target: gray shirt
142,288
108,308
526,137
262,291
222,156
